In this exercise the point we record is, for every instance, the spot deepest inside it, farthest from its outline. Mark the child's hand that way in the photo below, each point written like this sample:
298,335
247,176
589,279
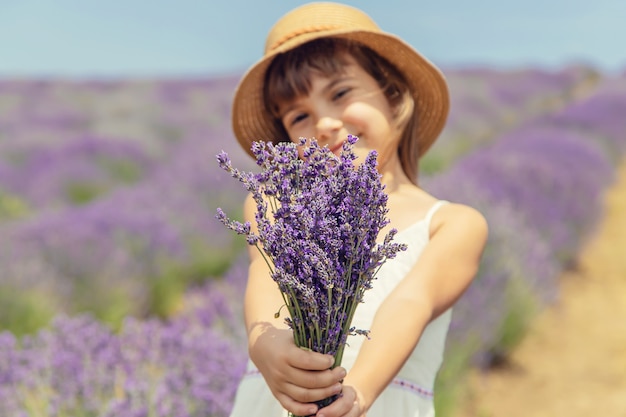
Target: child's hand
296,377
349,404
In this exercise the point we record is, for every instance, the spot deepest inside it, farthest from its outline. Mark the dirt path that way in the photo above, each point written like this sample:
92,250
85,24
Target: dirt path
573,361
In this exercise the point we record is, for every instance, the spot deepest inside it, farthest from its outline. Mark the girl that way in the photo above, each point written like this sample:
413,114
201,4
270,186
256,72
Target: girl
329,71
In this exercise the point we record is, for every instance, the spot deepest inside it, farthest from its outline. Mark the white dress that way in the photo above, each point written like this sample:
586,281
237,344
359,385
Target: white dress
410,394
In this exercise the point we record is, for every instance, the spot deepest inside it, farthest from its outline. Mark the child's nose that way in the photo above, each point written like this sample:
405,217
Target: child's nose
327,127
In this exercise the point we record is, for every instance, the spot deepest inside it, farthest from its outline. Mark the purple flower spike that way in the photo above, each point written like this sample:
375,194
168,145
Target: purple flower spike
318,222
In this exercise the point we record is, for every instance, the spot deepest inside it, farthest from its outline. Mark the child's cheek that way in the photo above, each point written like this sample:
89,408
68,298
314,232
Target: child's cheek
354,113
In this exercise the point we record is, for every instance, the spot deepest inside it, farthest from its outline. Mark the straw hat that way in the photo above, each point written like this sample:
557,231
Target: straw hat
252,121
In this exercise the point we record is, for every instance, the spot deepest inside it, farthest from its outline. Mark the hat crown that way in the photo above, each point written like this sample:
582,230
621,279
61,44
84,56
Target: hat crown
316,17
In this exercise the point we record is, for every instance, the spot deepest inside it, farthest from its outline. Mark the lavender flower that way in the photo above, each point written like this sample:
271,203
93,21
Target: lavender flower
318,222
183,367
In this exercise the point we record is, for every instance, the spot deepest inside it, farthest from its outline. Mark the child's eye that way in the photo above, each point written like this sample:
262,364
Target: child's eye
298,118
340,93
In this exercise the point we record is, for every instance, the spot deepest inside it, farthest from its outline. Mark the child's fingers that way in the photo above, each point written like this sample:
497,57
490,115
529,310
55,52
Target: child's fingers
345,406
309,360
315,379
309,395
295,407
307,386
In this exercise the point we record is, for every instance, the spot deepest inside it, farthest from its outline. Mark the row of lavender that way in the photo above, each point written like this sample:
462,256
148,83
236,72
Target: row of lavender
541,187
190,364
187,366
487,103
106,188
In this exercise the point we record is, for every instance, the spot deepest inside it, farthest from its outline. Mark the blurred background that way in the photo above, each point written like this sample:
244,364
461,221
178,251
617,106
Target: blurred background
120,293
200,38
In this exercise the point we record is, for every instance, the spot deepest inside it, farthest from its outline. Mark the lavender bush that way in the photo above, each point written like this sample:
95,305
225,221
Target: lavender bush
540,187
72,173
187,366
134,242
151,368
599,116
543,172
487,103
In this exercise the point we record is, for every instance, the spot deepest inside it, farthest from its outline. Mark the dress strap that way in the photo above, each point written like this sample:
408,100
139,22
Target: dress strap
434,209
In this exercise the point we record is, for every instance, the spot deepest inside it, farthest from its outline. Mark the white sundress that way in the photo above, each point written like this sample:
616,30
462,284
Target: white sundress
410,394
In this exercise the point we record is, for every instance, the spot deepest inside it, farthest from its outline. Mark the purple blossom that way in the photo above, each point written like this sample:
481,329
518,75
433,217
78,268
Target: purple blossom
486,103
52,176
599,115
318,223
108,254
80,367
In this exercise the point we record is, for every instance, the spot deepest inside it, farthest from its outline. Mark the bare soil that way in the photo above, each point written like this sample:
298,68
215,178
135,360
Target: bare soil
572,363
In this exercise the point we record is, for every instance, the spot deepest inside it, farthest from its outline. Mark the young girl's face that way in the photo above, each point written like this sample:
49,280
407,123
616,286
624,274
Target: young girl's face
348,102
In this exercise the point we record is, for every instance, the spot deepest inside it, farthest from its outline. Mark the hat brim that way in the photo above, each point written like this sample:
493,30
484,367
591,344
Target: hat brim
252,122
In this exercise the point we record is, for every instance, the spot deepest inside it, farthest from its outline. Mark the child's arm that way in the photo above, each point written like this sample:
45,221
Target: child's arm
296,377
443,272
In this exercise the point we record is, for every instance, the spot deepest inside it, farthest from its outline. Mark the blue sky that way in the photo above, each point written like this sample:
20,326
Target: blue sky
115,38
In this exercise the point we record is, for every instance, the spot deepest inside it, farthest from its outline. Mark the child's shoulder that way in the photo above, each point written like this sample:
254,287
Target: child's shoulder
443,214
463,221
457,212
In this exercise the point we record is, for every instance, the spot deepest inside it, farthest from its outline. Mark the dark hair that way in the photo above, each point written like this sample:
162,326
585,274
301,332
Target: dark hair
289,76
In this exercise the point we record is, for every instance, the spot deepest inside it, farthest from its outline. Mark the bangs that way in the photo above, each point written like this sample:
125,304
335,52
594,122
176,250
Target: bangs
289,75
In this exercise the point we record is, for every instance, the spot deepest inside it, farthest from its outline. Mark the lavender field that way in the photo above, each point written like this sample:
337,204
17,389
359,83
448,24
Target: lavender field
120,293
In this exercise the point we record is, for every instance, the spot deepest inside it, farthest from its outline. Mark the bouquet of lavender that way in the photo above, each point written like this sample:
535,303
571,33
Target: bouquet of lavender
318,221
